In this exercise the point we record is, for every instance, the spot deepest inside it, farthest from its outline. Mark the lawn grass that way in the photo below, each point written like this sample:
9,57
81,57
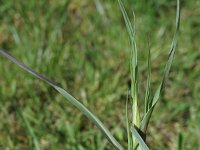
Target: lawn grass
72,43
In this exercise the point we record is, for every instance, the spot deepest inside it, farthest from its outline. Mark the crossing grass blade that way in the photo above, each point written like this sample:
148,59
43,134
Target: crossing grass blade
139,139
91,116
159,90
70,98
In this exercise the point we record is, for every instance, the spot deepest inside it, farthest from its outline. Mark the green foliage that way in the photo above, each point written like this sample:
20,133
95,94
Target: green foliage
133,70
83,45
150,103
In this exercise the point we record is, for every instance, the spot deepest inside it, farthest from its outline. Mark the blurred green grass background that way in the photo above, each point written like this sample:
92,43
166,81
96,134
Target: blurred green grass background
83,45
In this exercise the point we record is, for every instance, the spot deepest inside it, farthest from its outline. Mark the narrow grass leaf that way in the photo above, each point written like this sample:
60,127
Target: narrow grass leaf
128,126
91,116
133,68
139,139
133,63
70,98
180,142
159,90
148,85
170,57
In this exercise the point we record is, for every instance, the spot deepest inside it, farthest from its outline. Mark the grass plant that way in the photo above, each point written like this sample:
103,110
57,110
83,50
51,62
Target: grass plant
136,124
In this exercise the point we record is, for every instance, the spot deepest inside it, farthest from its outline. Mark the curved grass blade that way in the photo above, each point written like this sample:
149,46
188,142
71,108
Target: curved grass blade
139,138
91,116
70,98
170,57
159,90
